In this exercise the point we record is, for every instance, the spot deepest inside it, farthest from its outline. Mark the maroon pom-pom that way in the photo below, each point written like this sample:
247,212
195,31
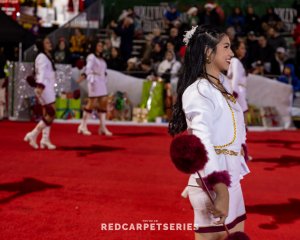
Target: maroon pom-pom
217,177
80,64
50,110
188,153
76,94
40,85
31,81
237,236
235,94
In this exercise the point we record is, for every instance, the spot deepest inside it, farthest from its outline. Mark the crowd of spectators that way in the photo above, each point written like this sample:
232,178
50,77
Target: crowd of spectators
268,53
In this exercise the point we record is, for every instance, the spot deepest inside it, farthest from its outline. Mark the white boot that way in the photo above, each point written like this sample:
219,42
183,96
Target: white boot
32,136
45,141
103,129
82,128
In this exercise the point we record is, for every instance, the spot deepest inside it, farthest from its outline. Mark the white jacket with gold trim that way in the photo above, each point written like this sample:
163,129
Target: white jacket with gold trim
219,123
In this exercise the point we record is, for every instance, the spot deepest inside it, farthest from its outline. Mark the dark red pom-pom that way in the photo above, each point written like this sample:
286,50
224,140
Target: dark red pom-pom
188,153
235,94
40,85
238,236
217,177
80,63
76,94
31,81
50,110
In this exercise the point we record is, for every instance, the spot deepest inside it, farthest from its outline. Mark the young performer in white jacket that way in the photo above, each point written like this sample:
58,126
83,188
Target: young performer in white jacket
208,110
171,65
44,69
237,74
95,74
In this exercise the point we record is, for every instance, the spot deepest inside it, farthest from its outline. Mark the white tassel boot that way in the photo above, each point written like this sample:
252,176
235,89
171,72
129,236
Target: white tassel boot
82,128
103,129
32,136
45,141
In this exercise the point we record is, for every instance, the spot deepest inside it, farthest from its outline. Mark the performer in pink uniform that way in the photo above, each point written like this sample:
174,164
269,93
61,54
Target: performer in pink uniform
206,109
45,79
237,74
95,75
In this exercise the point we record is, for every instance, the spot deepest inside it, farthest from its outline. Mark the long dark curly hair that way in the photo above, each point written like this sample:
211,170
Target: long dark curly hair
205,37
40,47
235,45
94,47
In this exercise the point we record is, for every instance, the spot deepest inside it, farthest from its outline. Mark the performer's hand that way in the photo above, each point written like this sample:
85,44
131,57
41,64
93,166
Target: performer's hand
221,203
81,78
38,91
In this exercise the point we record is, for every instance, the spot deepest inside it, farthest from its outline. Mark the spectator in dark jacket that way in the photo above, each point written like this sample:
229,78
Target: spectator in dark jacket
278,62
265,52
209,16
252,21
275,40
289,77
115,62
271,19
175,39
125,30
145,69
157,38
237,20
62,53
157,54
171,15
252,48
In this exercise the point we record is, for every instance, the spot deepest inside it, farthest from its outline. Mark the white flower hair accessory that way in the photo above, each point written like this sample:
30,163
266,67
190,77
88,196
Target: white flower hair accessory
188,35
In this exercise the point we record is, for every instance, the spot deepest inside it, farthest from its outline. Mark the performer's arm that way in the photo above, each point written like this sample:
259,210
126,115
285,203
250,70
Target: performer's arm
41,70
89,68
199,108
221,203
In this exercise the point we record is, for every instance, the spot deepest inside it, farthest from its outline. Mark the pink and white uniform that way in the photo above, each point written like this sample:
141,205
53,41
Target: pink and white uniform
96,76
219,124
45,76
238,78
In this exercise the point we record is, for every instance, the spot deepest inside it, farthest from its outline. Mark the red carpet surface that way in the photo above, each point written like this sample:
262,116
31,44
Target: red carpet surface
67,194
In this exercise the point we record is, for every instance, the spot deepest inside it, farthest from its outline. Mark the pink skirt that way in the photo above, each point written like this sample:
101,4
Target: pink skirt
48,96
204,220
97,88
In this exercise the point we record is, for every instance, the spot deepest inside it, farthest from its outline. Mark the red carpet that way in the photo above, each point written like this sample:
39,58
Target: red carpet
68,193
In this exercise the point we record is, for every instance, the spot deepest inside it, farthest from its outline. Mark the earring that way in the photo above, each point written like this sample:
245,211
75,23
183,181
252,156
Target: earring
208,60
